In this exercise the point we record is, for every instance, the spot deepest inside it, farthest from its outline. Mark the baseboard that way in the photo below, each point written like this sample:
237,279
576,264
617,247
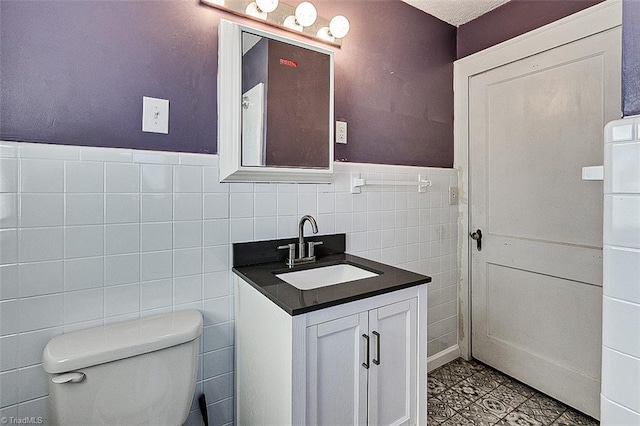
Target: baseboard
443,357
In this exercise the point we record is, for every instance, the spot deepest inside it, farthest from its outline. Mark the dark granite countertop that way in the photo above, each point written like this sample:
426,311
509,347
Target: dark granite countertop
262,277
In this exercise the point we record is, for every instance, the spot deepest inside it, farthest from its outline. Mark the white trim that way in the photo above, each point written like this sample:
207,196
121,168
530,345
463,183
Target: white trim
47,151
442,358
601,17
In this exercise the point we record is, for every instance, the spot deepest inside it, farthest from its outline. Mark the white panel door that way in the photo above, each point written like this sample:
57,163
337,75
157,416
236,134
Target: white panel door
537,282
336,378
253,126
393,372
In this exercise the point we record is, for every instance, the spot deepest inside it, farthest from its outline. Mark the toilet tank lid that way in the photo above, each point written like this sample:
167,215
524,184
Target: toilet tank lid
98,345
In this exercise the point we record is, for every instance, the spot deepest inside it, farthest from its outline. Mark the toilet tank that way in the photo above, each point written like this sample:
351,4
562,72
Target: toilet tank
137,372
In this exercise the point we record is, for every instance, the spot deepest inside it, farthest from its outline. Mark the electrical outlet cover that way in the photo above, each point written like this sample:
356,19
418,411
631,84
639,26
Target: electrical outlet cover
453,195
341,132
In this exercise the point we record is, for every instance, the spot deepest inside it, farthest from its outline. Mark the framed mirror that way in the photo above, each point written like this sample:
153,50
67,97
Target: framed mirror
275,107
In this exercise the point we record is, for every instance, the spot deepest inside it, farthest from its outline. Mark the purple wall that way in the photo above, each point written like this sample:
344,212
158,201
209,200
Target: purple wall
74,72
255,65
630,57
394,84
513,19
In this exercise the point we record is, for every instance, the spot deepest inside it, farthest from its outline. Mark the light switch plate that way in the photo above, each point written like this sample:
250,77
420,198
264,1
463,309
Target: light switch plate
453,195
341,132
155,115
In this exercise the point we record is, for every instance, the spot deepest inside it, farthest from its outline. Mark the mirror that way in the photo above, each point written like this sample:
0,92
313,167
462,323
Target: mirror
275,108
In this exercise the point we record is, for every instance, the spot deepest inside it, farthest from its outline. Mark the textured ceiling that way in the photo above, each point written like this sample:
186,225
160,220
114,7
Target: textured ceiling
456,12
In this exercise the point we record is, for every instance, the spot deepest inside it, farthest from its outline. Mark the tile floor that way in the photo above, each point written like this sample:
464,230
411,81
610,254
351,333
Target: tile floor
470,393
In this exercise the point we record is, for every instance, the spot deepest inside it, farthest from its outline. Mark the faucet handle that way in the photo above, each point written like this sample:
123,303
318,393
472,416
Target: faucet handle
311,247
292,253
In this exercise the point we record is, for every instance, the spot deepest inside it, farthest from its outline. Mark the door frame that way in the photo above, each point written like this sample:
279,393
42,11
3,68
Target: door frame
596,19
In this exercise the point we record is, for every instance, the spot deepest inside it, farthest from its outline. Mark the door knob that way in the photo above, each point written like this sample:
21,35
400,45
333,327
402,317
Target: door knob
478,237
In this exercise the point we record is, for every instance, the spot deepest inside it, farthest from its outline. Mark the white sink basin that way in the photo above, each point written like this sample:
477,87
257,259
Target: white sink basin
327,275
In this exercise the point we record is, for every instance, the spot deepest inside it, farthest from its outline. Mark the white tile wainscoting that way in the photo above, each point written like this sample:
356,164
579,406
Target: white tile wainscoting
90,236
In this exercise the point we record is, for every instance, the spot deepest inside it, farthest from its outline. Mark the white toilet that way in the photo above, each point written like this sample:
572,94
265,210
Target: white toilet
138,372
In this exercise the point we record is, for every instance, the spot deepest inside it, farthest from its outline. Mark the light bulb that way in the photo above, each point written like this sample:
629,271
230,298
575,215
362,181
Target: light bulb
253,10
290,22
306,14
267,5
260,8
325,34
339,26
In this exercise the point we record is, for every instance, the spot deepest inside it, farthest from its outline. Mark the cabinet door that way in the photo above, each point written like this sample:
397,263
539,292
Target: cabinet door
336,379
392,377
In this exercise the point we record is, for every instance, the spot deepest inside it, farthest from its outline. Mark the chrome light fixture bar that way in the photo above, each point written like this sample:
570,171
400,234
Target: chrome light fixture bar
302,19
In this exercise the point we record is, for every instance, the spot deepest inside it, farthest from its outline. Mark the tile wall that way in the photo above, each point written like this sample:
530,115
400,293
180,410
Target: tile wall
620,397
90,236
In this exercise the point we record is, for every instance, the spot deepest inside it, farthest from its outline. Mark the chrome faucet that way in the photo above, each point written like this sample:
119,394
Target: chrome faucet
314,227
304,255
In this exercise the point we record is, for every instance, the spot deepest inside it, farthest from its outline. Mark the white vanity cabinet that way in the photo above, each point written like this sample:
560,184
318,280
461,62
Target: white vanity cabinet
361,369
357,363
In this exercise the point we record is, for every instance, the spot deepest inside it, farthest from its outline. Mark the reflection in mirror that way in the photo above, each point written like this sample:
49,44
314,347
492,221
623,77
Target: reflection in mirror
275,107
285,104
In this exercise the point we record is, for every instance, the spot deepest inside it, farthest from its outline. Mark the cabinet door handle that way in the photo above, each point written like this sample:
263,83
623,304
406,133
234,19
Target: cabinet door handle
366,364
377,361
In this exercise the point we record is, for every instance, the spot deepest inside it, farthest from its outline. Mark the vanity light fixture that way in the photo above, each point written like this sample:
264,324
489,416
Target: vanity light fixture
338,28
302,19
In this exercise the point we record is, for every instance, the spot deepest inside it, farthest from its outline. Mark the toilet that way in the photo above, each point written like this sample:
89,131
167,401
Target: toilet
138,372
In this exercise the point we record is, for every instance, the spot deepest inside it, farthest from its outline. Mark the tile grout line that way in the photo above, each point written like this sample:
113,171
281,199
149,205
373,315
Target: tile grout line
501,381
